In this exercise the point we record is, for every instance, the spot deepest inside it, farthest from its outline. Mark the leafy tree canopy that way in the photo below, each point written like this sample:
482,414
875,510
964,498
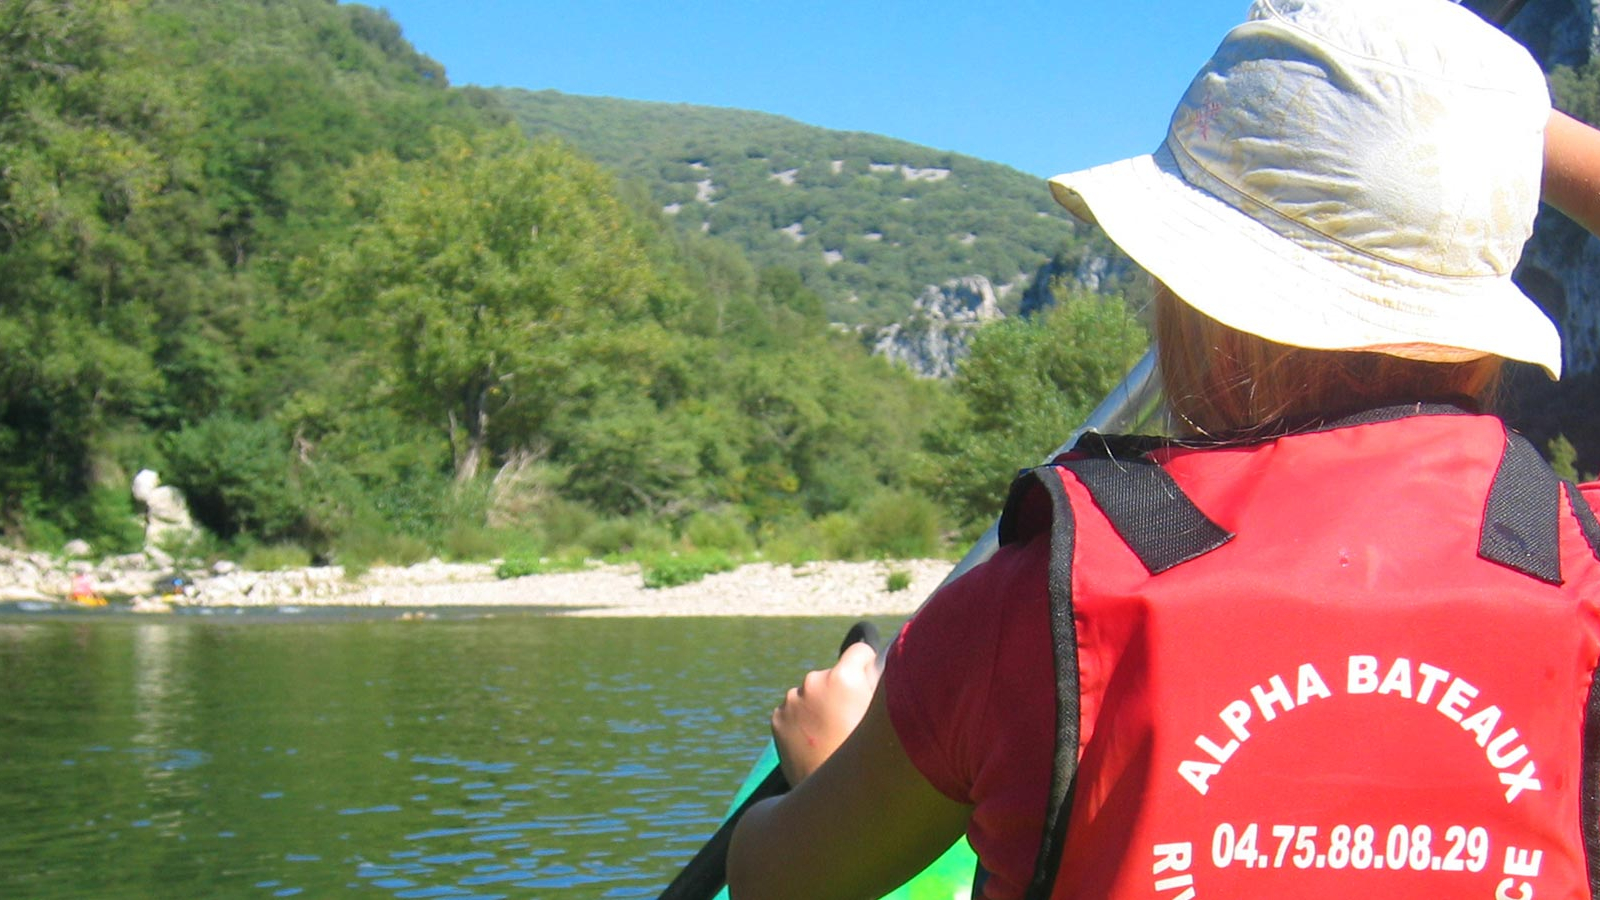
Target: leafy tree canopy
267,250
1025,387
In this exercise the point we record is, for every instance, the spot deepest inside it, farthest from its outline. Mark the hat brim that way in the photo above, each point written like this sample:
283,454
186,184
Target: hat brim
1238,271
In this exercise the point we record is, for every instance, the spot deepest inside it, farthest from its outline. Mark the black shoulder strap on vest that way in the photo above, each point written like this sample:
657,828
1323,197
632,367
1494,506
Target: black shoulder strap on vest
1521,522
1162,526
1150,512
1144,505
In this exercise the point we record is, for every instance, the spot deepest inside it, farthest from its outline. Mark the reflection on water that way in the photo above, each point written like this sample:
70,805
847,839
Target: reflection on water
487,757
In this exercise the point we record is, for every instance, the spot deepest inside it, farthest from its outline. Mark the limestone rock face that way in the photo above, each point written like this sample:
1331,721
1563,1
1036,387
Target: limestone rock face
1092,272
941,326
166,513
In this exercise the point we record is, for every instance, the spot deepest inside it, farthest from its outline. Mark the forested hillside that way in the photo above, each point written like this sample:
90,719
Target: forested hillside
867,221
356,315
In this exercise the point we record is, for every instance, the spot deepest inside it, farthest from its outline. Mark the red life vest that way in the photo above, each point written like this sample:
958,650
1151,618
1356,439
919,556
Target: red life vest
1284,671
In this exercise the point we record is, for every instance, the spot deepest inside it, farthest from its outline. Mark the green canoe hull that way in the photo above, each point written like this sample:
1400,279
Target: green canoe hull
948,878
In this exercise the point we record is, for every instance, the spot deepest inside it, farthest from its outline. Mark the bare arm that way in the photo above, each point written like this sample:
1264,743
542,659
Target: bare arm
1572,170
857,827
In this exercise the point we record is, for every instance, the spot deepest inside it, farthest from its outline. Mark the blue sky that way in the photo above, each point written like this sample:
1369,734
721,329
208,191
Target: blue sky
1043,87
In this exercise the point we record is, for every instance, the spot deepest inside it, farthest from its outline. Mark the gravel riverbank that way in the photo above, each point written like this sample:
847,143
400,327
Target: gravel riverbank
757,589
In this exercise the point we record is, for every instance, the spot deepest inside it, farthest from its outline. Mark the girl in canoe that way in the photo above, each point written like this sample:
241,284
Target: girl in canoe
1340,637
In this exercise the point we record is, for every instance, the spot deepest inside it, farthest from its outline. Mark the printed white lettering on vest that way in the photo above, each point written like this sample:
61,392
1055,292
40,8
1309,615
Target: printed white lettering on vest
1502,750
1519,864
1234,715
1502,891
1364,675
1178,881
1419,683
1220,754
1398,681
1310,685
1266,699
1431,675
1456,697
1198,774
1523,863
1174,858
1522,781
1482,723
1270,699
1497,755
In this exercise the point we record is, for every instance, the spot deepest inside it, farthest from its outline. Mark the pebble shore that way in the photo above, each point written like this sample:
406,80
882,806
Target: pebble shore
756,589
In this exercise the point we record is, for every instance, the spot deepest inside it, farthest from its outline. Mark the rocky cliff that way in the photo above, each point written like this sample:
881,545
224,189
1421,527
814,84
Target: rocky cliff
1098,269
935,336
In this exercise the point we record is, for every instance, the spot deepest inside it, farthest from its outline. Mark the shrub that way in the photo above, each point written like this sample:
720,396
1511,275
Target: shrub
466,541
105,517
420,503
191,549
899,580
534,564
235,475
838,535
1564,458
898,525
567,519
363,548
275,557
791,541
39,533
726,529
518,566
524,491
684,568
635,535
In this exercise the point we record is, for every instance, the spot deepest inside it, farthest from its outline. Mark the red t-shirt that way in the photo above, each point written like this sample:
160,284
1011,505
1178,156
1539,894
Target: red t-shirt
970,693
972,699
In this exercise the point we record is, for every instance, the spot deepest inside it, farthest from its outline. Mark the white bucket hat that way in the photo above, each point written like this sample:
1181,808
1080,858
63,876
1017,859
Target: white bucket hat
1346,175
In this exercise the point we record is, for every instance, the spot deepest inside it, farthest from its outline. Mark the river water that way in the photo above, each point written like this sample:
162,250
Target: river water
324,755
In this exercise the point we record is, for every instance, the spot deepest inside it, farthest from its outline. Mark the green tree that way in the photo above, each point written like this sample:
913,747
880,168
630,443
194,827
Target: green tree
237,478
105,262
267,250
1026,385
1577,90
473,265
